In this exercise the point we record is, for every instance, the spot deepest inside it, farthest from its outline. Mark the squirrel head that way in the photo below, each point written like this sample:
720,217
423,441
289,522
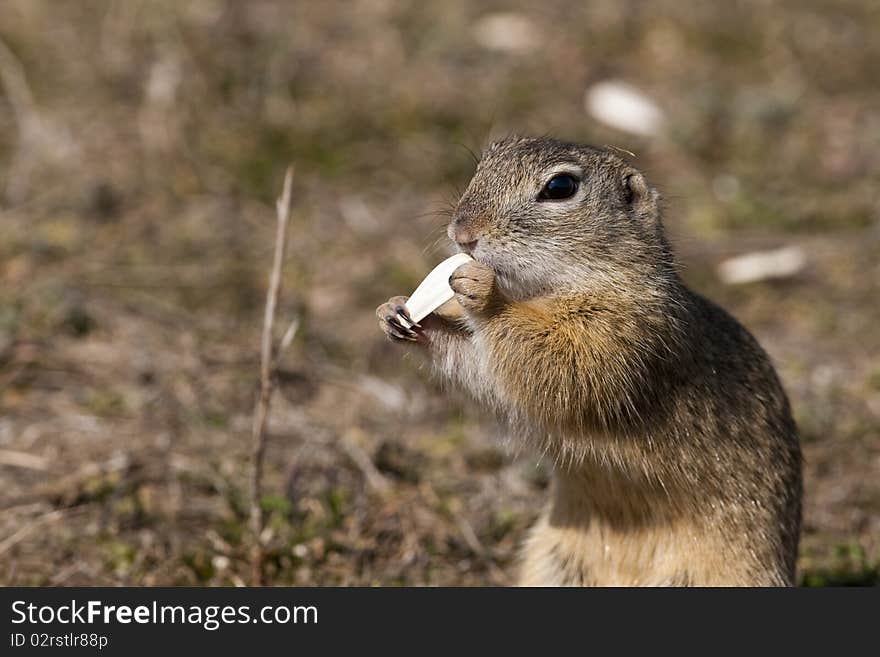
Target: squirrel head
548,215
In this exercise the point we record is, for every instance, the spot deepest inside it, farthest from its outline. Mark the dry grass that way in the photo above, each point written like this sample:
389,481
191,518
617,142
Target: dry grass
141,147
270,354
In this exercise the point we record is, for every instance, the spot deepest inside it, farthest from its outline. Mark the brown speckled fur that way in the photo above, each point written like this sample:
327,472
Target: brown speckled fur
676,458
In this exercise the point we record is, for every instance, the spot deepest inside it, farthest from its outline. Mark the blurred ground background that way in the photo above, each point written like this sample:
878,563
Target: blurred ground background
142,145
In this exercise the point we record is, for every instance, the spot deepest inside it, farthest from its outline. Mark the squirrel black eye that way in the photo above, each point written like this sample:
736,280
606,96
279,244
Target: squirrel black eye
560,186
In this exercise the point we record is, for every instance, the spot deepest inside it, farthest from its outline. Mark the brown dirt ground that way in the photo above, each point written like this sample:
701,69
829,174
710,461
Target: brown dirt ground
141,147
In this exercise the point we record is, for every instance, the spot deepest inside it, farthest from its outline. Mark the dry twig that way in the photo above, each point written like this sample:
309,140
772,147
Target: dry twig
11,541
268,365
25,460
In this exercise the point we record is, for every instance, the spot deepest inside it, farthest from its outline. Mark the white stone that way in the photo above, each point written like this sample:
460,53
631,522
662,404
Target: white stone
762,265
506,32
622,106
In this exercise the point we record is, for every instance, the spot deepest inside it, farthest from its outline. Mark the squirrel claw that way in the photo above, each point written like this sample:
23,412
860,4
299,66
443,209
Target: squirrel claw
392,316
409,321
398,330
401,309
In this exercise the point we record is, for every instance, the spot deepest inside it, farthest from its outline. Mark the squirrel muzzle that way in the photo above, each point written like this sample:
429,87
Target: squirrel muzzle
466,230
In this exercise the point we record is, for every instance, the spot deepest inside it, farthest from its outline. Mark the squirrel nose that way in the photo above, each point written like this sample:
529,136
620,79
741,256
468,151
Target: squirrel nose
462,235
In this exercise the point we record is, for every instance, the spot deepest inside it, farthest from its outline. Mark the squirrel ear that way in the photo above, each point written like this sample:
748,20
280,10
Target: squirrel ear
636,188
642,199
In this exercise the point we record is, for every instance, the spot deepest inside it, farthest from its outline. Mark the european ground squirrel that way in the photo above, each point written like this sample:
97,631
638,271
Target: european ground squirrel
676,458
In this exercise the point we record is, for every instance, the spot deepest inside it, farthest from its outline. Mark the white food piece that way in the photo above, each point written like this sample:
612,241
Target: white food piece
434,291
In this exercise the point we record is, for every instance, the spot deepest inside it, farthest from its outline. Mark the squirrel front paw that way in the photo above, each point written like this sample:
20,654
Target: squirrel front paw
390,314
474,287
